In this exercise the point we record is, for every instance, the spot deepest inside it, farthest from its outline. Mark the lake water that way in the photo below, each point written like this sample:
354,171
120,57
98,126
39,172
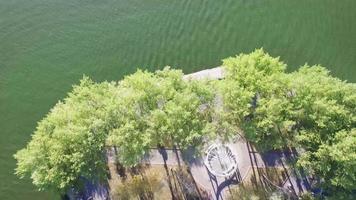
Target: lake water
47,45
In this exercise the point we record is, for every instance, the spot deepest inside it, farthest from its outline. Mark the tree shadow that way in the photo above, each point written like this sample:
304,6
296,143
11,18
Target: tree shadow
192,156
272,158
302,179
175,150
234,180
177,185
213,182
218,188
164,154
90,189
203,194
119,168
253,161
295,179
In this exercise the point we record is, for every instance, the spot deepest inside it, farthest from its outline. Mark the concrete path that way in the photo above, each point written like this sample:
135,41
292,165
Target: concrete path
247,159
163,156
220,186
211,74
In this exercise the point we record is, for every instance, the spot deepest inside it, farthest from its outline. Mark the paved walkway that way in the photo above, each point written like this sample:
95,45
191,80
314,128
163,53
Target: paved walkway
212,74
217,186
163,156
247,159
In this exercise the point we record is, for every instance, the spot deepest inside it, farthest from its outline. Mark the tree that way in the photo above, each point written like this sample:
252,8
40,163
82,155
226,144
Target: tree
324,105
141,111
255,94
159,108
69,142
307,108
335,162
326,128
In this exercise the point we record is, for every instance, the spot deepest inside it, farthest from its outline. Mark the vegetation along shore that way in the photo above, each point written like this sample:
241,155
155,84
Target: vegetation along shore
307,110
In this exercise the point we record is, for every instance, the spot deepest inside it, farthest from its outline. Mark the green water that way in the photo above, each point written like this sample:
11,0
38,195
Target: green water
47,45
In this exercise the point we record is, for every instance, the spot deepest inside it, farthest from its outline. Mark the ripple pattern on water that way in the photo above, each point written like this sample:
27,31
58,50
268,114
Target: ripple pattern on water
47,45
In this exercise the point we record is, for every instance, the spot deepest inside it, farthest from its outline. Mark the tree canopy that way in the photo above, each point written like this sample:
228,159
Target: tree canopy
335,162
308,109
141,111
159,109
255,95
68,143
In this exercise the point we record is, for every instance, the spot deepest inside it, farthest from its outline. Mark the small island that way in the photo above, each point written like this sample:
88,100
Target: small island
160,135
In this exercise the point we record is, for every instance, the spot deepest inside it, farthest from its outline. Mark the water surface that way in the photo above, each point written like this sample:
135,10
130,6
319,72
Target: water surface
47,45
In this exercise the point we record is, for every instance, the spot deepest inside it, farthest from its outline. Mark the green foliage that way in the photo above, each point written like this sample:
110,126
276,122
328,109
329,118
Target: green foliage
307,108
159,108
141,111
247,77
324,105
69,142
326,119
255,96
334,161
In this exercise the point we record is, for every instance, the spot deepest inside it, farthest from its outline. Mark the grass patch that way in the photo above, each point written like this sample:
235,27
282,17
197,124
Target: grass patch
143,182
253,186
